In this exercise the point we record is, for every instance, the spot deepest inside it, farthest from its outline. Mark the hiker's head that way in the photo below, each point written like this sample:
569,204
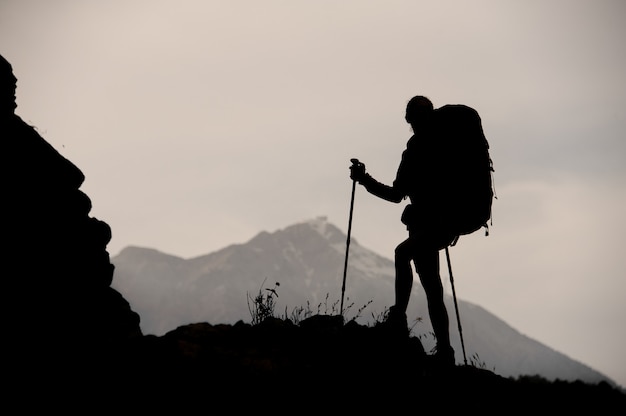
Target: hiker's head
8,85
418,109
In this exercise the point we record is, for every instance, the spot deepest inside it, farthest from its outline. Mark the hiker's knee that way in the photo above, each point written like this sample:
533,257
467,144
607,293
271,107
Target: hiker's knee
431,282
403,252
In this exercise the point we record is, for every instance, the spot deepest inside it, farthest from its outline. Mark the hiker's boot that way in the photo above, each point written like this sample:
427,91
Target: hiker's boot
396,322
444,357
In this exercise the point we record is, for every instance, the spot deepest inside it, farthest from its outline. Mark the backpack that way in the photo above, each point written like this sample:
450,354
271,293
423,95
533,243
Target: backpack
459,170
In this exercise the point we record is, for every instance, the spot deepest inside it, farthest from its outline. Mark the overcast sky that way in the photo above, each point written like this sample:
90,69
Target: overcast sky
199,124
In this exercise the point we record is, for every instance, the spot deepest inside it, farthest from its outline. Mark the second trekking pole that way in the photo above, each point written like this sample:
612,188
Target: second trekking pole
345,265
456,306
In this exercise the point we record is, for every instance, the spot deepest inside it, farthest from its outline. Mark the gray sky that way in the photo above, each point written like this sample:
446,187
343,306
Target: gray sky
200,123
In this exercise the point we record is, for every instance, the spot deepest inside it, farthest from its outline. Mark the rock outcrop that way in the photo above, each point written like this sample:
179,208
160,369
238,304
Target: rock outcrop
59,309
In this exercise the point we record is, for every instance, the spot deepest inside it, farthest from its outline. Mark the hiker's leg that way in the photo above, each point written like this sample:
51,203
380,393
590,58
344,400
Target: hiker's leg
427,266
404,275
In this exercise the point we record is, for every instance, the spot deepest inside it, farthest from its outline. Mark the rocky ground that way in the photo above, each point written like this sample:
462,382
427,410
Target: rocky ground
322,364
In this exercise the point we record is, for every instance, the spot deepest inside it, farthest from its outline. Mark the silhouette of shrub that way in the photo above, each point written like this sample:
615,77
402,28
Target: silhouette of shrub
262,306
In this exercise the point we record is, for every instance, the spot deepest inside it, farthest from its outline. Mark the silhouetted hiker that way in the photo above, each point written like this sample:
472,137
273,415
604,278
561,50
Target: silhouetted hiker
428,231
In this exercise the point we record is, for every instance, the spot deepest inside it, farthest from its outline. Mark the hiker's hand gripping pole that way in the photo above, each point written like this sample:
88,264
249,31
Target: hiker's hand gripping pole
355,165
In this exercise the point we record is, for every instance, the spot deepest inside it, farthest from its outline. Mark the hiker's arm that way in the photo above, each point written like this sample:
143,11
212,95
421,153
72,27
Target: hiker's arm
381,190
374,187
389,193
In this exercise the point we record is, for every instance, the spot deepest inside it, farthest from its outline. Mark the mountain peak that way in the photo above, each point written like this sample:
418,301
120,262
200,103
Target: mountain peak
319,224
324,228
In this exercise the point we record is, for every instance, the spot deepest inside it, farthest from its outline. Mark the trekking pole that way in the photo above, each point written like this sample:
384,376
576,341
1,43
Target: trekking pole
456,306
345,265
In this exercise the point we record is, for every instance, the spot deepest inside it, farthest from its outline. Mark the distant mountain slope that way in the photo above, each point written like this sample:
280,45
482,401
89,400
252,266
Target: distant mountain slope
307,260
